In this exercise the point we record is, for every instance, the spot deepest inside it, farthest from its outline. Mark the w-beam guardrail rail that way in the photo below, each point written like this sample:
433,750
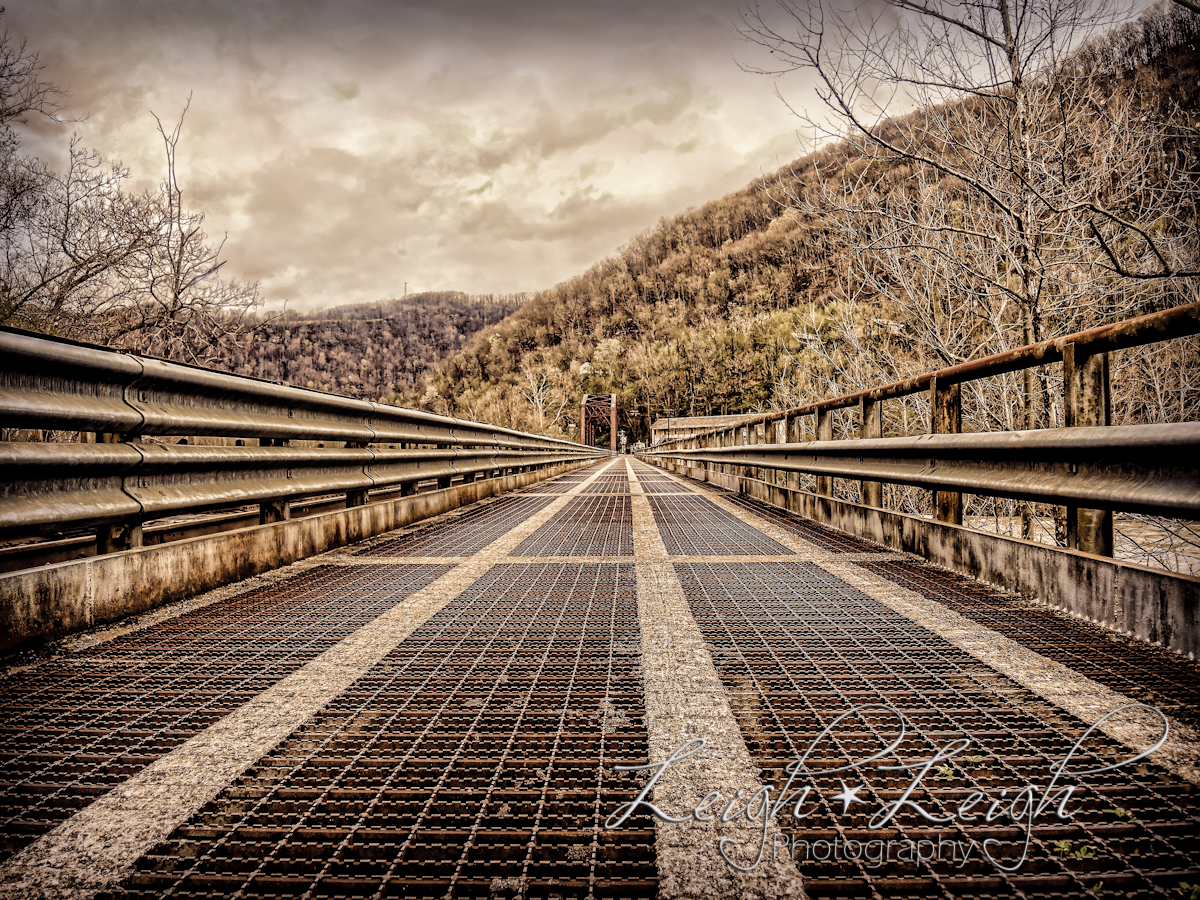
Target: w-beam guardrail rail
1090,467
147,452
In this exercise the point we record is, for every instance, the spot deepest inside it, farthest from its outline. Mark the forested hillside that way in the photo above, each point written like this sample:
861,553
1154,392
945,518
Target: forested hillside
377,351
858,264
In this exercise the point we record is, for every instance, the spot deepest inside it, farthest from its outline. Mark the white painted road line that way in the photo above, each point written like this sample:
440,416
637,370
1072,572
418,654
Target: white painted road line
685,700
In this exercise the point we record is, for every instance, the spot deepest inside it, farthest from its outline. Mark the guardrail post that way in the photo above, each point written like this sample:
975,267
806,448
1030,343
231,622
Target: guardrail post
1088,402
825,433
775,439
769,437
781,436
760,437
739,440
792,426
752,472
118,537
274,511
870,425
945,415
122,535
356,498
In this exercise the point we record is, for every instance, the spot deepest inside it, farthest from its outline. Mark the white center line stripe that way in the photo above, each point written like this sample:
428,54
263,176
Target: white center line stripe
685,700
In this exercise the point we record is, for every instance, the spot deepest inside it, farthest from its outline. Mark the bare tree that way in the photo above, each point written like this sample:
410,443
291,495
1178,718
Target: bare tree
22,89
81,256
66,262
541,388
1022,199
1026,196
182,307
1002,70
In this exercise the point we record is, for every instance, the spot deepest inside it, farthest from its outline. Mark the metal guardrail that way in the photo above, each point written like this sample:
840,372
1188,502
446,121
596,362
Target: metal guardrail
121,481
59,384
1151,469
1090,467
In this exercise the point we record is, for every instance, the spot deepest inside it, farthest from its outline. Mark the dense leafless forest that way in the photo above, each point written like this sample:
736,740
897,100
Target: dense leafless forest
377,351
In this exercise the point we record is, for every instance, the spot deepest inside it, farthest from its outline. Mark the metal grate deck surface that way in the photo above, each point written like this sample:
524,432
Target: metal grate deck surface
551,487
1137,670
73,728
474,761
806,529
695,526
465,534
608,485
662,486
586,526
796,647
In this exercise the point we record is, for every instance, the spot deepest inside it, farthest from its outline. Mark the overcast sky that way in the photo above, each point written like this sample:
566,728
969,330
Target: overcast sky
349,147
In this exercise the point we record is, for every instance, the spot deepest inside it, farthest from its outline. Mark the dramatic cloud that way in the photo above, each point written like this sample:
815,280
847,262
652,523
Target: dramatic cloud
349,148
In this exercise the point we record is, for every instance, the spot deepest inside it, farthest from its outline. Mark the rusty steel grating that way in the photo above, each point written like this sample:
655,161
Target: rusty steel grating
806,529
73,728
796,647
559,485
551,487
662,486
464,534
1139,671
586,526
695,526
608,484
699,485
474,761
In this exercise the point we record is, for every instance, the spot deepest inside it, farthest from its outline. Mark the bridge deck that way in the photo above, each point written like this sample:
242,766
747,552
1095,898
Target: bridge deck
439,713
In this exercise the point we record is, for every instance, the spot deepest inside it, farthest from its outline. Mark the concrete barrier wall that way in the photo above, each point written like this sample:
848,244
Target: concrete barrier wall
37,605
1151,604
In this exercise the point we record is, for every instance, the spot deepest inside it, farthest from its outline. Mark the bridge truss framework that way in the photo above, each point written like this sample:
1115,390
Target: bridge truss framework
593,410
